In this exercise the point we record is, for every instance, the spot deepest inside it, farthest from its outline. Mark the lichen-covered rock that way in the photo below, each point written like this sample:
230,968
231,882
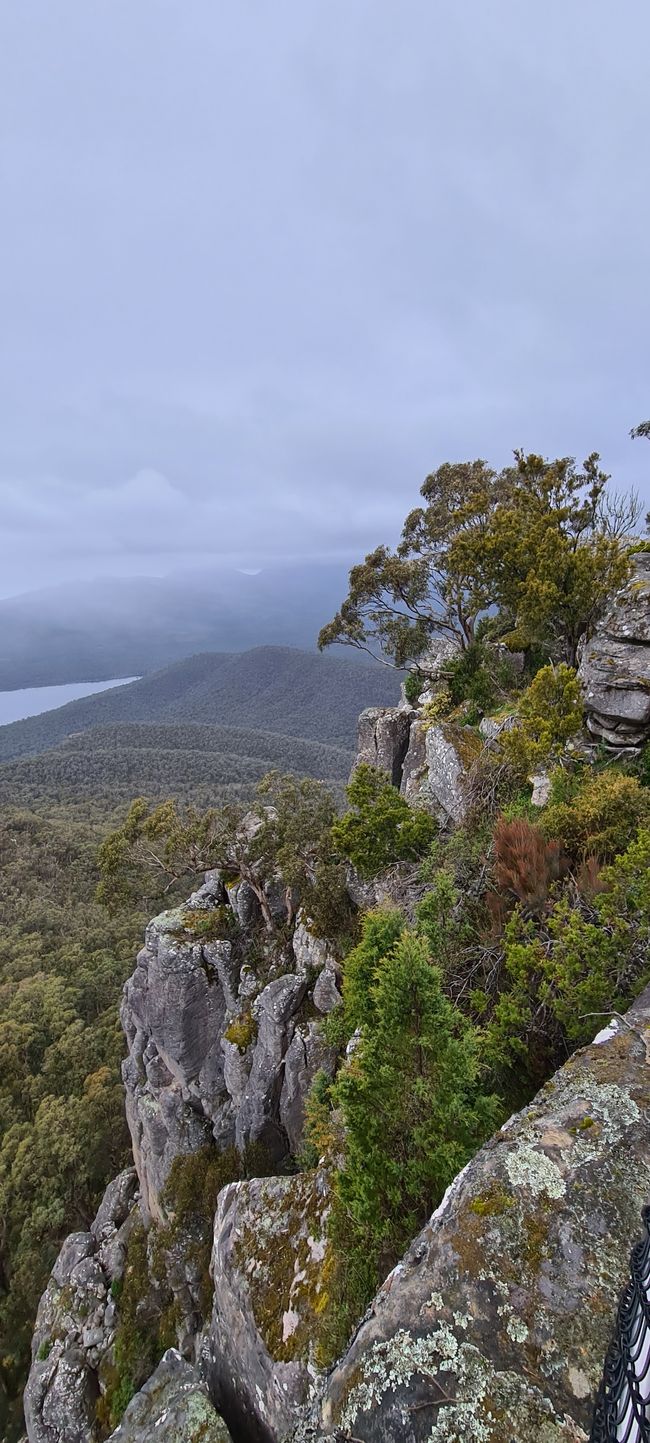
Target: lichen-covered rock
307,1054
172,1407
541,785
436,767
492,727
615,667
311,952
76,1320
383,738
496,1323
208,1034
257,1118
269,1266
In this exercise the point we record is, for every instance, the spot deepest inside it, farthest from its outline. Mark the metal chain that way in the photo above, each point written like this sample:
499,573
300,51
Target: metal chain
622,1411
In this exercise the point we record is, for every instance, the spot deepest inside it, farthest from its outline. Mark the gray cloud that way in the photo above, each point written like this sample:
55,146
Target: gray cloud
265,265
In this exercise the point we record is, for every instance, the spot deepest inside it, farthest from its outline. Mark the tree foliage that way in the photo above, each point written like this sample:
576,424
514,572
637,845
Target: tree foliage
531,545
412,1106
63,1135
163,851
380,828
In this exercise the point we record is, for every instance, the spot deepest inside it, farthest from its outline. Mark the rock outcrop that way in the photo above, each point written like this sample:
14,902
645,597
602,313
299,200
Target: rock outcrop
436,766
496,1323
76,1320
172,1407
428,761
383,739
210,1038
615,666
269,1267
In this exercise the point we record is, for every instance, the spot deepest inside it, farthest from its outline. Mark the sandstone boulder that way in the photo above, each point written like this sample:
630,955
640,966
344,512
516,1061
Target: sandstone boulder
75,1323
436,768
383,738
307,1054
208,1038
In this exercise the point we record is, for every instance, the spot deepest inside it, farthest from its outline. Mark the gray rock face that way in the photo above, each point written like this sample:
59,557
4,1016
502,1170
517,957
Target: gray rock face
435,770
496,1323
207,1041
75,1324
268,1267
172,1406
383,738
326,990
307,1054
615,668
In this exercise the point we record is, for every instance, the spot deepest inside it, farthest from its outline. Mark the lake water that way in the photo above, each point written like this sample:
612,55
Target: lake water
15,705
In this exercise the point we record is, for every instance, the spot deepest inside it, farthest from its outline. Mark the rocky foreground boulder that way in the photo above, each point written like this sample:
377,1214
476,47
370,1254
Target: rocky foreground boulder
269,1269
495,1325
429,761
615,666
172,1407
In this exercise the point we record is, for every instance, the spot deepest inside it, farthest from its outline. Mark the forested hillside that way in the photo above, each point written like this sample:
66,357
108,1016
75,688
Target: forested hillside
62,1130
273,689
109,765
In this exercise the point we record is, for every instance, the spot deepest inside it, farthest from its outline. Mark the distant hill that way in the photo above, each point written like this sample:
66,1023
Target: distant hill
201,764
296,694
94,631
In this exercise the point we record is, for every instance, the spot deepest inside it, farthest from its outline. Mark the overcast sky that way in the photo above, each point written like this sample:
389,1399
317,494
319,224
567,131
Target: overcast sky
265,263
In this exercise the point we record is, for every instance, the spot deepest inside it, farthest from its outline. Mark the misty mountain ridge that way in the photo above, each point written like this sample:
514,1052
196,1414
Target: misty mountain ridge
126,626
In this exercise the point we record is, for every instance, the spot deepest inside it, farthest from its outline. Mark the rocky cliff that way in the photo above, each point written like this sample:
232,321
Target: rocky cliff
495,1324
615,665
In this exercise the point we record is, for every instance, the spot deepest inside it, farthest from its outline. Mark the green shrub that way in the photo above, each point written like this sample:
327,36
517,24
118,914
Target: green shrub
414,684
437,918
381,827
242,1031
643,766
550,713
214,925
319,1134
413,1113
582,959
480,676
380,930
596,814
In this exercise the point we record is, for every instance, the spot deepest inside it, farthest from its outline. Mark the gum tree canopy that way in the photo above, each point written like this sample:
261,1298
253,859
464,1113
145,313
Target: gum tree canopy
534,550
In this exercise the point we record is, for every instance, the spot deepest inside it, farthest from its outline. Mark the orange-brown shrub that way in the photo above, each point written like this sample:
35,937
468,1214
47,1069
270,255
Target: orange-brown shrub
525,865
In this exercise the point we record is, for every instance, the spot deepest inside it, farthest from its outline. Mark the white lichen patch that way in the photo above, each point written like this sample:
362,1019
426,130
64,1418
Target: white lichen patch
481,1405
290,1321
613,1108
392,1364
527,1167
